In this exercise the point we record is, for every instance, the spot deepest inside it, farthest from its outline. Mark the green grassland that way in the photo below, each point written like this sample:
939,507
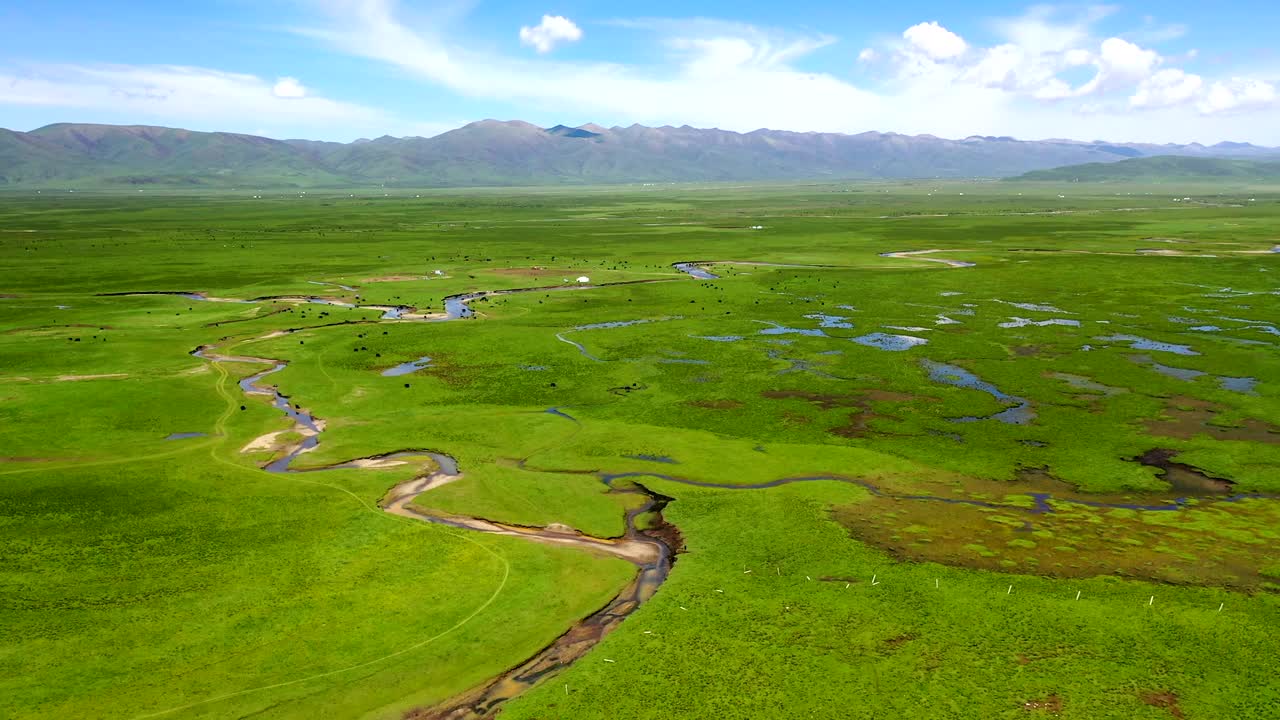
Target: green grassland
149,577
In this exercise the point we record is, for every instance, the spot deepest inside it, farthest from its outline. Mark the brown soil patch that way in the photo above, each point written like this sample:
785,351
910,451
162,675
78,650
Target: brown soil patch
74,378
1184,478
533,272
793,418
1186,418
394,278
858,422
1051,704
1205,543
715,404
834,579
826,402
898,641
1165,700
667,533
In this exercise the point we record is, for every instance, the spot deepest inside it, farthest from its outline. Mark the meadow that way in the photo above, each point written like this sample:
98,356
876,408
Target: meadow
951,450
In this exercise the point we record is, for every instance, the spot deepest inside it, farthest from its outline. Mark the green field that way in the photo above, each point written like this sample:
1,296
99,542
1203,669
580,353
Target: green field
1033,472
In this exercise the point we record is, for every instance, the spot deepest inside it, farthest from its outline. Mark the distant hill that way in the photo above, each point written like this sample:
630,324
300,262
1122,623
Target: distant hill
1164,169
518,153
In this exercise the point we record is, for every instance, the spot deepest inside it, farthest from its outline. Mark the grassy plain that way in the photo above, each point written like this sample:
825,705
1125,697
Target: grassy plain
146,577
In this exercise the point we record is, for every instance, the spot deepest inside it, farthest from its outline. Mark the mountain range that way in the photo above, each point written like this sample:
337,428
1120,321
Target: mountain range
492,152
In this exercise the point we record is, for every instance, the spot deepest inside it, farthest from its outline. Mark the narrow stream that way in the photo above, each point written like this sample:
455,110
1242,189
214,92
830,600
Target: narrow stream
651,547
652,550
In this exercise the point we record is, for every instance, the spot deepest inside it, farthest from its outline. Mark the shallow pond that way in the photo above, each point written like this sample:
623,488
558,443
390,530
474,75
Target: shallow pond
830,321
1141,343
780,329
892,343
1032,306
694,270
407,367
1019,414
1018,322
654,458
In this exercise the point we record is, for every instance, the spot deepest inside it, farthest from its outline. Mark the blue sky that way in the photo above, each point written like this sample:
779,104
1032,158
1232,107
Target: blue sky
1174,71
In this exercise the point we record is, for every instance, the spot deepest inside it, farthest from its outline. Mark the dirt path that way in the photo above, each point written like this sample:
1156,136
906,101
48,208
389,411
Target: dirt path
400,502
917,255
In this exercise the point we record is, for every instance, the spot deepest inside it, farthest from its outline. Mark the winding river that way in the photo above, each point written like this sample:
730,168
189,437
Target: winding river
651,546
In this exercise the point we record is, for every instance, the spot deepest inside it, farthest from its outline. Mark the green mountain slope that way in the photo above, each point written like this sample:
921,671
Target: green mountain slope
491,152
1163,169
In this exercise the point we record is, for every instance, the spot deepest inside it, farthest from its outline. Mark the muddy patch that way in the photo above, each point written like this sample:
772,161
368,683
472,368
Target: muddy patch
394,278
1051,704
821,400
898,641
795,419
858,423
1182,478
1187,418
1080,382
534,272
716,404
1040,525
1165,700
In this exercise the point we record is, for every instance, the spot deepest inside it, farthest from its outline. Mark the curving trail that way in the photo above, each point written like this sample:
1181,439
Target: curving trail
918,255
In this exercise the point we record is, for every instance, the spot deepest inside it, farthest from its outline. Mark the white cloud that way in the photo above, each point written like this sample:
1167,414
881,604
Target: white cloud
1076,57
1043,30
1120,64
173,93
1053,89
726,75
1237,95
1036,51
868,55
288,87
935,41
1167,88
711,73
553,30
